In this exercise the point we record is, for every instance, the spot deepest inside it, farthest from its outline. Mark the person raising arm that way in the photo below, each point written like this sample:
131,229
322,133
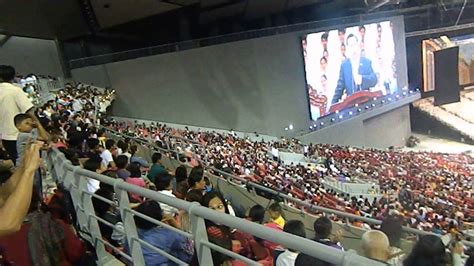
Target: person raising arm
15,193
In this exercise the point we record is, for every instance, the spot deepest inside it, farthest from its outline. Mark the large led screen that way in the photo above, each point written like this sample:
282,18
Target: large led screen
349,66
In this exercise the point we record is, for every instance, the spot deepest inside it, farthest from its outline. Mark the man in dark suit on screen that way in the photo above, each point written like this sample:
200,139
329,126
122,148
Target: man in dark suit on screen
356,72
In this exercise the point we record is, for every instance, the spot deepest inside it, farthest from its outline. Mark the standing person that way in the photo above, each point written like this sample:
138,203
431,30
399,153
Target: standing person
13,101
29,130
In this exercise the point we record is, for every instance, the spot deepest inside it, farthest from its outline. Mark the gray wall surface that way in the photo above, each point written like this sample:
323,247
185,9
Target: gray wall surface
252,85
93,75
391,128
29,55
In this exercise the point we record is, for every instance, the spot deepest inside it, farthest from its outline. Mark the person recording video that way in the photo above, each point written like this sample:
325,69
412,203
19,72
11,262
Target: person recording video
356,72
16,190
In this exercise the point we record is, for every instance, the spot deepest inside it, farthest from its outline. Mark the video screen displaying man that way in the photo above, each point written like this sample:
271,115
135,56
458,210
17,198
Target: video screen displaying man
356,72
342,63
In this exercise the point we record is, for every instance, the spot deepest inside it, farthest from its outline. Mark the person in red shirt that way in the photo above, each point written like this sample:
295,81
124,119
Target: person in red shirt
42,240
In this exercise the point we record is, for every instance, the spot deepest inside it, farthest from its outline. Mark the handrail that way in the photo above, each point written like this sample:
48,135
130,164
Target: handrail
326,253
310,206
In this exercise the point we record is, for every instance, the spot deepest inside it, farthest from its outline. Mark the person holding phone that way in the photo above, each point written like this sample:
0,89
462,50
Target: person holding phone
16,192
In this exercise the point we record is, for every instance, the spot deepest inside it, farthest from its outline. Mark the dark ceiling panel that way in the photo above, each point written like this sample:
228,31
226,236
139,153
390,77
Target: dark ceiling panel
110,13
42,18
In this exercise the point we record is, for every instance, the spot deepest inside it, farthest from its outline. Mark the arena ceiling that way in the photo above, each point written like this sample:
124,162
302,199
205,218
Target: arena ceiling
67,19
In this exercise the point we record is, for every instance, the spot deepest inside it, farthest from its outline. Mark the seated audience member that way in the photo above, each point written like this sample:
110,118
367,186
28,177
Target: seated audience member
134,158
160,237
257,214
16,191
163,185
106,155
121,162
288,257
215,201
135,179
42,240
95,166
101,136
94,149
123,147
221,259
61,207
180,182
376,246
276,212
157,169
392,227
183,217
429,250
257,245
196,179
322,230
109,213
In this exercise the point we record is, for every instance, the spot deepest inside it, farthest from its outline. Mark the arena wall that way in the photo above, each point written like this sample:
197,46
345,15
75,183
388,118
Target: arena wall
256,85
29,55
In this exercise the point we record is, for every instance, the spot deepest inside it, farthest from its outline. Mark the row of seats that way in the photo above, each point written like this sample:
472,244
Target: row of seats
430,190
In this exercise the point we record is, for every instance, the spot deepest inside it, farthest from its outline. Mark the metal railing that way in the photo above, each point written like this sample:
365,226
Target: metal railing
287,199
74,179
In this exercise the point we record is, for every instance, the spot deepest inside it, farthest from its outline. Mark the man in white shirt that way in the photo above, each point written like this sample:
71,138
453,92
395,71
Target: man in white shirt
95,166
13,101
288,257
106,155
164,186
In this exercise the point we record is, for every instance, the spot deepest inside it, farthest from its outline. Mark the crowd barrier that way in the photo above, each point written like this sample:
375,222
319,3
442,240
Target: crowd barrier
74,179
254,187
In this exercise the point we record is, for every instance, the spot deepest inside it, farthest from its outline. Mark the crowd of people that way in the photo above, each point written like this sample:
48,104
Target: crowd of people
70,123
432,191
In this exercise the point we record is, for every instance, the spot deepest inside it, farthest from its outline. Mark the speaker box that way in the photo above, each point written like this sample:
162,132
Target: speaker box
447,89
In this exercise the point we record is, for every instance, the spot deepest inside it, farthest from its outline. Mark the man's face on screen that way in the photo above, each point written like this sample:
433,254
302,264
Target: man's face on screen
353,48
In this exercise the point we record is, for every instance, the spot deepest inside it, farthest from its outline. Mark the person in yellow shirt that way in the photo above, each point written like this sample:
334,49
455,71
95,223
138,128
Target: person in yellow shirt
276,212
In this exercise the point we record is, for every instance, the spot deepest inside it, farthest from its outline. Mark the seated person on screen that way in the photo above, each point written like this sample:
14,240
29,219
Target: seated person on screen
352,78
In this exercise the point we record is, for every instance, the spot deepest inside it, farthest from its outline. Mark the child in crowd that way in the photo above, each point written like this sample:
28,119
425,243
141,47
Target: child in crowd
288,257
275,212
29,130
